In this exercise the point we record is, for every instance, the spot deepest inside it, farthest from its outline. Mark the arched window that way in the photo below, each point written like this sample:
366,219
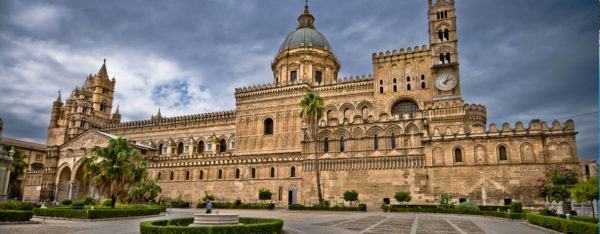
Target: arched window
342,144
272,172
442,59
380,89
293,172
408,87
448,57
223,146
253,172
201,174
422,85
220,174
393,141
201,147
394,80
408,78
502,153
422,77
187,175
160,148
446,37
171,176
159,176
438,15
84,110
440,36
318,77
375,142
102,107
237,173
458,155
268,126
380,82
445,13
395,89
346,113
326,145
82,124
405,106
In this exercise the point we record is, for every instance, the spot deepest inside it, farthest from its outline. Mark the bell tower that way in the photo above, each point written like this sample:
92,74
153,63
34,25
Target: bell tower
444,49
102,89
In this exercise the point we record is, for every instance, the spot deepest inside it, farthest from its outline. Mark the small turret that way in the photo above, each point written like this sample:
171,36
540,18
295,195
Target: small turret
116,118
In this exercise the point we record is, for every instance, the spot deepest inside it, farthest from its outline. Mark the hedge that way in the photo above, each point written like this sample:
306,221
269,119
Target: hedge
562,225
482,208
360,207
584,219
180,204
15,215
227,205
249,225
457,211
15,205
96,213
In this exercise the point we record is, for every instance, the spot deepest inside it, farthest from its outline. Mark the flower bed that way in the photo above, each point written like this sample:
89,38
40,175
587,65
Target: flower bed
249,225
15,215
361,207
96,213
227,205
562,225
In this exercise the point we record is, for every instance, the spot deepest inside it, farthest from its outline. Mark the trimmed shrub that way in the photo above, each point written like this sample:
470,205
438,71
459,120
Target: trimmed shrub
548,212
467,206
413,206
180,204
264,194
77,205
15,215
89,200
112,213
66,201
350,196
227,205
249,225
516,207
106,202
238,202
562,225
499,214
360,207
14,205
402,197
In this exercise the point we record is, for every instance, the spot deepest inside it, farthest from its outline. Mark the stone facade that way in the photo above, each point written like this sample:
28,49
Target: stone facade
404,128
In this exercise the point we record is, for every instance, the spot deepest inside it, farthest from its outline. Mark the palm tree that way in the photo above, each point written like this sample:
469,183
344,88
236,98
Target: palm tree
312,110
116,169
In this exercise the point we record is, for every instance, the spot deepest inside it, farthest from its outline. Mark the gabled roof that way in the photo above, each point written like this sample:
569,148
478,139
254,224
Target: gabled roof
107,136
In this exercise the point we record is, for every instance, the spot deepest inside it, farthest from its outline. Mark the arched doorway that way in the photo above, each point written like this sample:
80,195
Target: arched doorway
64,184
292,195
80,187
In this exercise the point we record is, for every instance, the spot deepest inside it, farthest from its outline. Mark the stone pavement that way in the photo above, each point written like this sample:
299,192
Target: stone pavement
307,222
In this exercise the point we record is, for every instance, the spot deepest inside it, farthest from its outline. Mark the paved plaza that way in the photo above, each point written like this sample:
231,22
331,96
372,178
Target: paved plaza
308,222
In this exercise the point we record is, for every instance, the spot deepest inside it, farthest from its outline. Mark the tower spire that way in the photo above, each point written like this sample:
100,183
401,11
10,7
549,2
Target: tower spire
102,72
58,99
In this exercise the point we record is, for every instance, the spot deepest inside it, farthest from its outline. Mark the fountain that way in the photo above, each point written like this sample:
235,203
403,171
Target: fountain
215,219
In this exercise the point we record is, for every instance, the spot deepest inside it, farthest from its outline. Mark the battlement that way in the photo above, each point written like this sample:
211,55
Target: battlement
396,55
536,127
228,115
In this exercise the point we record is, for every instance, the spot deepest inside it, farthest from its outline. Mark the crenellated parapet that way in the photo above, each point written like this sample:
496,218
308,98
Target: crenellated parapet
403,54
220,116
535,128
220,159
455,109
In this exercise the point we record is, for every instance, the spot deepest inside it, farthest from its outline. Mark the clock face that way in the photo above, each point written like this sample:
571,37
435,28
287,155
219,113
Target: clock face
446,81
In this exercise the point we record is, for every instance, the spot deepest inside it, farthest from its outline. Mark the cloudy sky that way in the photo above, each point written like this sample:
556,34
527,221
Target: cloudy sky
522,59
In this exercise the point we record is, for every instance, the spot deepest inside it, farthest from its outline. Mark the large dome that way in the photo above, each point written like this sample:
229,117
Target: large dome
305,37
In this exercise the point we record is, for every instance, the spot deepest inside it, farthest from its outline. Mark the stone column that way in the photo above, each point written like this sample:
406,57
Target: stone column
70,190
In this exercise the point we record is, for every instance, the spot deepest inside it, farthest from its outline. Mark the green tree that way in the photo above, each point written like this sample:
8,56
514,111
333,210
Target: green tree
445,201
350,196
264,194
208,196
312,106
116,169
402,197
587,191
146,191
17,170
556,184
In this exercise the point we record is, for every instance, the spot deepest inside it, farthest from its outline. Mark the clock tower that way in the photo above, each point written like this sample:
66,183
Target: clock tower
444,50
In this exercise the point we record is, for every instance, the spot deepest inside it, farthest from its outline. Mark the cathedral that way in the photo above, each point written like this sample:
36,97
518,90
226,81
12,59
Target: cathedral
403,128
